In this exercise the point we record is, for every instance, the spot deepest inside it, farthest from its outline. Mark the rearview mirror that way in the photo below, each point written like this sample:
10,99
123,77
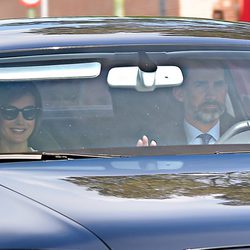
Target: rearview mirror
133,77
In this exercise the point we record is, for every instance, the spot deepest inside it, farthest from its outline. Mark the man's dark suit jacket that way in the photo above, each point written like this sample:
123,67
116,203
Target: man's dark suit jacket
175,135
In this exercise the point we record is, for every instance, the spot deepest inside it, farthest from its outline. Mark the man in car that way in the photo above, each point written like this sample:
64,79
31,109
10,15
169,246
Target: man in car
203,95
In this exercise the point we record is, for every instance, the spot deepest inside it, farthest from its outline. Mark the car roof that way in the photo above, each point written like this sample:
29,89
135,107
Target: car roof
27,34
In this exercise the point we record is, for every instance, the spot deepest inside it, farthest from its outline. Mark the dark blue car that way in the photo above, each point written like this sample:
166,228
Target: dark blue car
124,133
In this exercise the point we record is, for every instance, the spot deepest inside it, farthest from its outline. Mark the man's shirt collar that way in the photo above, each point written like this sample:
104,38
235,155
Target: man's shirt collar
192,133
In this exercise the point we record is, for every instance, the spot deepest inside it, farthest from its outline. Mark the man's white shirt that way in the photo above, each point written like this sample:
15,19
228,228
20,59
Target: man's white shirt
192,133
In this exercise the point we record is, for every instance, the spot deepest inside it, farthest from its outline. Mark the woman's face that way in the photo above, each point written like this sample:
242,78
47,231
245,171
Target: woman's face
17,130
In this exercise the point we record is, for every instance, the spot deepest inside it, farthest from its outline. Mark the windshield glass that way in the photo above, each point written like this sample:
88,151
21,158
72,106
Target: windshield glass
210,105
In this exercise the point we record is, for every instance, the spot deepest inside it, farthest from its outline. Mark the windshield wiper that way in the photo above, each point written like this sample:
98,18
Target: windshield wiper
125,152
72,155
43,156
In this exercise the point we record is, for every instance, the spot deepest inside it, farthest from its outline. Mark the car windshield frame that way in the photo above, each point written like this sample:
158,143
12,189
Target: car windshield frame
121,59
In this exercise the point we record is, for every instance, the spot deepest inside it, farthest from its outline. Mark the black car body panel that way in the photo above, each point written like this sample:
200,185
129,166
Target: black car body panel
140,202
94,33
169,197
34,226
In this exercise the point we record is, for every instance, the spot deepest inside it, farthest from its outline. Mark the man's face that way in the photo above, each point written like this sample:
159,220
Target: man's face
204,95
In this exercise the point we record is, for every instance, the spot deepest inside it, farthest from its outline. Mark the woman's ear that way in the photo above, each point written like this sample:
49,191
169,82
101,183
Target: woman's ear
178,93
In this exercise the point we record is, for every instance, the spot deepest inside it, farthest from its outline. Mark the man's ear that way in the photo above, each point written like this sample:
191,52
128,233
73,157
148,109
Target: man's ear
178,93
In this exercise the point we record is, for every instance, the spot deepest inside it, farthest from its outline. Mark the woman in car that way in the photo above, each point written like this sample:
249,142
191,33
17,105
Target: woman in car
20,108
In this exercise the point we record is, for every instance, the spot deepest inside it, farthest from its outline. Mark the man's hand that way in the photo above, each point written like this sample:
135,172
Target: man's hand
143,142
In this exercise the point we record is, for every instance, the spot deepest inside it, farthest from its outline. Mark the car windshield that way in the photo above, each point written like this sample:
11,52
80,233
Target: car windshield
128,99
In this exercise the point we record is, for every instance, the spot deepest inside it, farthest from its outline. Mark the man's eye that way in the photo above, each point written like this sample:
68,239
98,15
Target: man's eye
219,83
200,84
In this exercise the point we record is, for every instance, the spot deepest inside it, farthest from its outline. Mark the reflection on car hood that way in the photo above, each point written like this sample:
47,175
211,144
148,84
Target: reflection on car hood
107,31
180,202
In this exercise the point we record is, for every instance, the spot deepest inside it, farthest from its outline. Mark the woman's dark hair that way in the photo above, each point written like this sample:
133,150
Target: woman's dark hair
10,92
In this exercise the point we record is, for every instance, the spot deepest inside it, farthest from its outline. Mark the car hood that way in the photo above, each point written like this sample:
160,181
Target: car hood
131,203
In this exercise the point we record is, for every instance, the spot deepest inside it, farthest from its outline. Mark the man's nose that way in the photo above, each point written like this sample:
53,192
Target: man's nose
210,90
